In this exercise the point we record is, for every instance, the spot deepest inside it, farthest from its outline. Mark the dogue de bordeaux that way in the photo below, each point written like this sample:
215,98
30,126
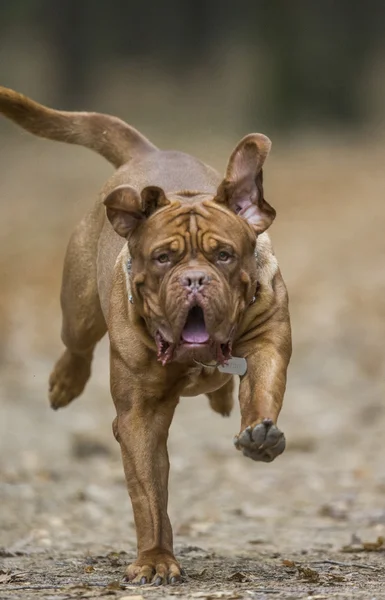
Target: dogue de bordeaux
175,263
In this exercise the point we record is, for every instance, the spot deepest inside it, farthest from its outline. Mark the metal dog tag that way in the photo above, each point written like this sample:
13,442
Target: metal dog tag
235,366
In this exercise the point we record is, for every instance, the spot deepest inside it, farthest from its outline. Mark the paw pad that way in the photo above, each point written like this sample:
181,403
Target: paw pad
264,442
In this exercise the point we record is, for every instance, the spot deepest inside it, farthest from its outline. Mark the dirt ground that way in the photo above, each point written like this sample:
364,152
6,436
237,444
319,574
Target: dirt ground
309,525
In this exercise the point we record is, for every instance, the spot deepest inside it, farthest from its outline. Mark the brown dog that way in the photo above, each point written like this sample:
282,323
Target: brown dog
196,284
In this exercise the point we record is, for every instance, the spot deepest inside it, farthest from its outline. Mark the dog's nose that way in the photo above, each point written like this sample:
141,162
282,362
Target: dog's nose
193,280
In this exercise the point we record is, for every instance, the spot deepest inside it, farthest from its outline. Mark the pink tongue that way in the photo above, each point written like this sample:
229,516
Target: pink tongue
194,331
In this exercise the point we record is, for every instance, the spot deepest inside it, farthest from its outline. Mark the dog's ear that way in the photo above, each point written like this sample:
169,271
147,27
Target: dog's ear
242,188
127,209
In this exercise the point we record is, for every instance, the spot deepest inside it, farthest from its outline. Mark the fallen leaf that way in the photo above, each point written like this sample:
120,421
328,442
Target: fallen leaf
288,563
238,576
89,569
115,585
309,574
5,577
376,546
373,546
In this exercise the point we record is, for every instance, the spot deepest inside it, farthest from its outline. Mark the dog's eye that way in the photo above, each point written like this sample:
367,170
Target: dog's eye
224,256
163,258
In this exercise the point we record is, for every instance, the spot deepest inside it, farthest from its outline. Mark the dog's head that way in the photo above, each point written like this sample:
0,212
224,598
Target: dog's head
193,265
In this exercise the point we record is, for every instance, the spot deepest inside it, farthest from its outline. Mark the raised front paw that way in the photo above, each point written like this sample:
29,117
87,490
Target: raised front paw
263,442
155,566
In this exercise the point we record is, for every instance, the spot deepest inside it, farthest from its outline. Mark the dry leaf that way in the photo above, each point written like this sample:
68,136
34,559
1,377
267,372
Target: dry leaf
5,577
115,585
309,574
288,563
365,546
373,546
89,569
238,576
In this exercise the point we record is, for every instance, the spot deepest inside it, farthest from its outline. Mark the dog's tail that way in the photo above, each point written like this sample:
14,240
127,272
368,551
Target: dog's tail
109,136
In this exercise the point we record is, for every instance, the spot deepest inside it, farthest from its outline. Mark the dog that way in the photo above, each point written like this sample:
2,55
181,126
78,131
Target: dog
175,263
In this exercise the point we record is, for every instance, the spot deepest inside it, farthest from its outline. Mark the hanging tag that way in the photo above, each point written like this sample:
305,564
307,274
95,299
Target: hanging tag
235,366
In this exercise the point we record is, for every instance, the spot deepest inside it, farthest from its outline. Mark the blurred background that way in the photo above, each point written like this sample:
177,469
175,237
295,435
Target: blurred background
197,76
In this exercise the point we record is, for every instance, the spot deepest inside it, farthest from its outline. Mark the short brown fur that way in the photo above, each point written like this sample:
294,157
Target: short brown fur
167,204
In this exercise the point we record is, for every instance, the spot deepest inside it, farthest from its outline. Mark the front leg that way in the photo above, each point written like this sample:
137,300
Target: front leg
142,431
261,393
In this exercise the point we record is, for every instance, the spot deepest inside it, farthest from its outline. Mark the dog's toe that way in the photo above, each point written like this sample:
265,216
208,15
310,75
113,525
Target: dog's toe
68,379
59,395
264,442
156,568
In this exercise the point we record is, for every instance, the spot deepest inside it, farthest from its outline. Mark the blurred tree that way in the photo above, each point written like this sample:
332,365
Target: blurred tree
314,54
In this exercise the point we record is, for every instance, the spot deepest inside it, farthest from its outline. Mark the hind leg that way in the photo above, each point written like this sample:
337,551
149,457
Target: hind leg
222,400
83,321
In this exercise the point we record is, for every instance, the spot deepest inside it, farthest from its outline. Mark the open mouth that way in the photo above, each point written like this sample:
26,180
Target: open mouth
194,340
194,331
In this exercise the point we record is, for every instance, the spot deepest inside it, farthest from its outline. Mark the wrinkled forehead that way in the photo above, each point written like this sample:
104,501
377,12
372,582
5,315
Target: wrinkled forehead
201,224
